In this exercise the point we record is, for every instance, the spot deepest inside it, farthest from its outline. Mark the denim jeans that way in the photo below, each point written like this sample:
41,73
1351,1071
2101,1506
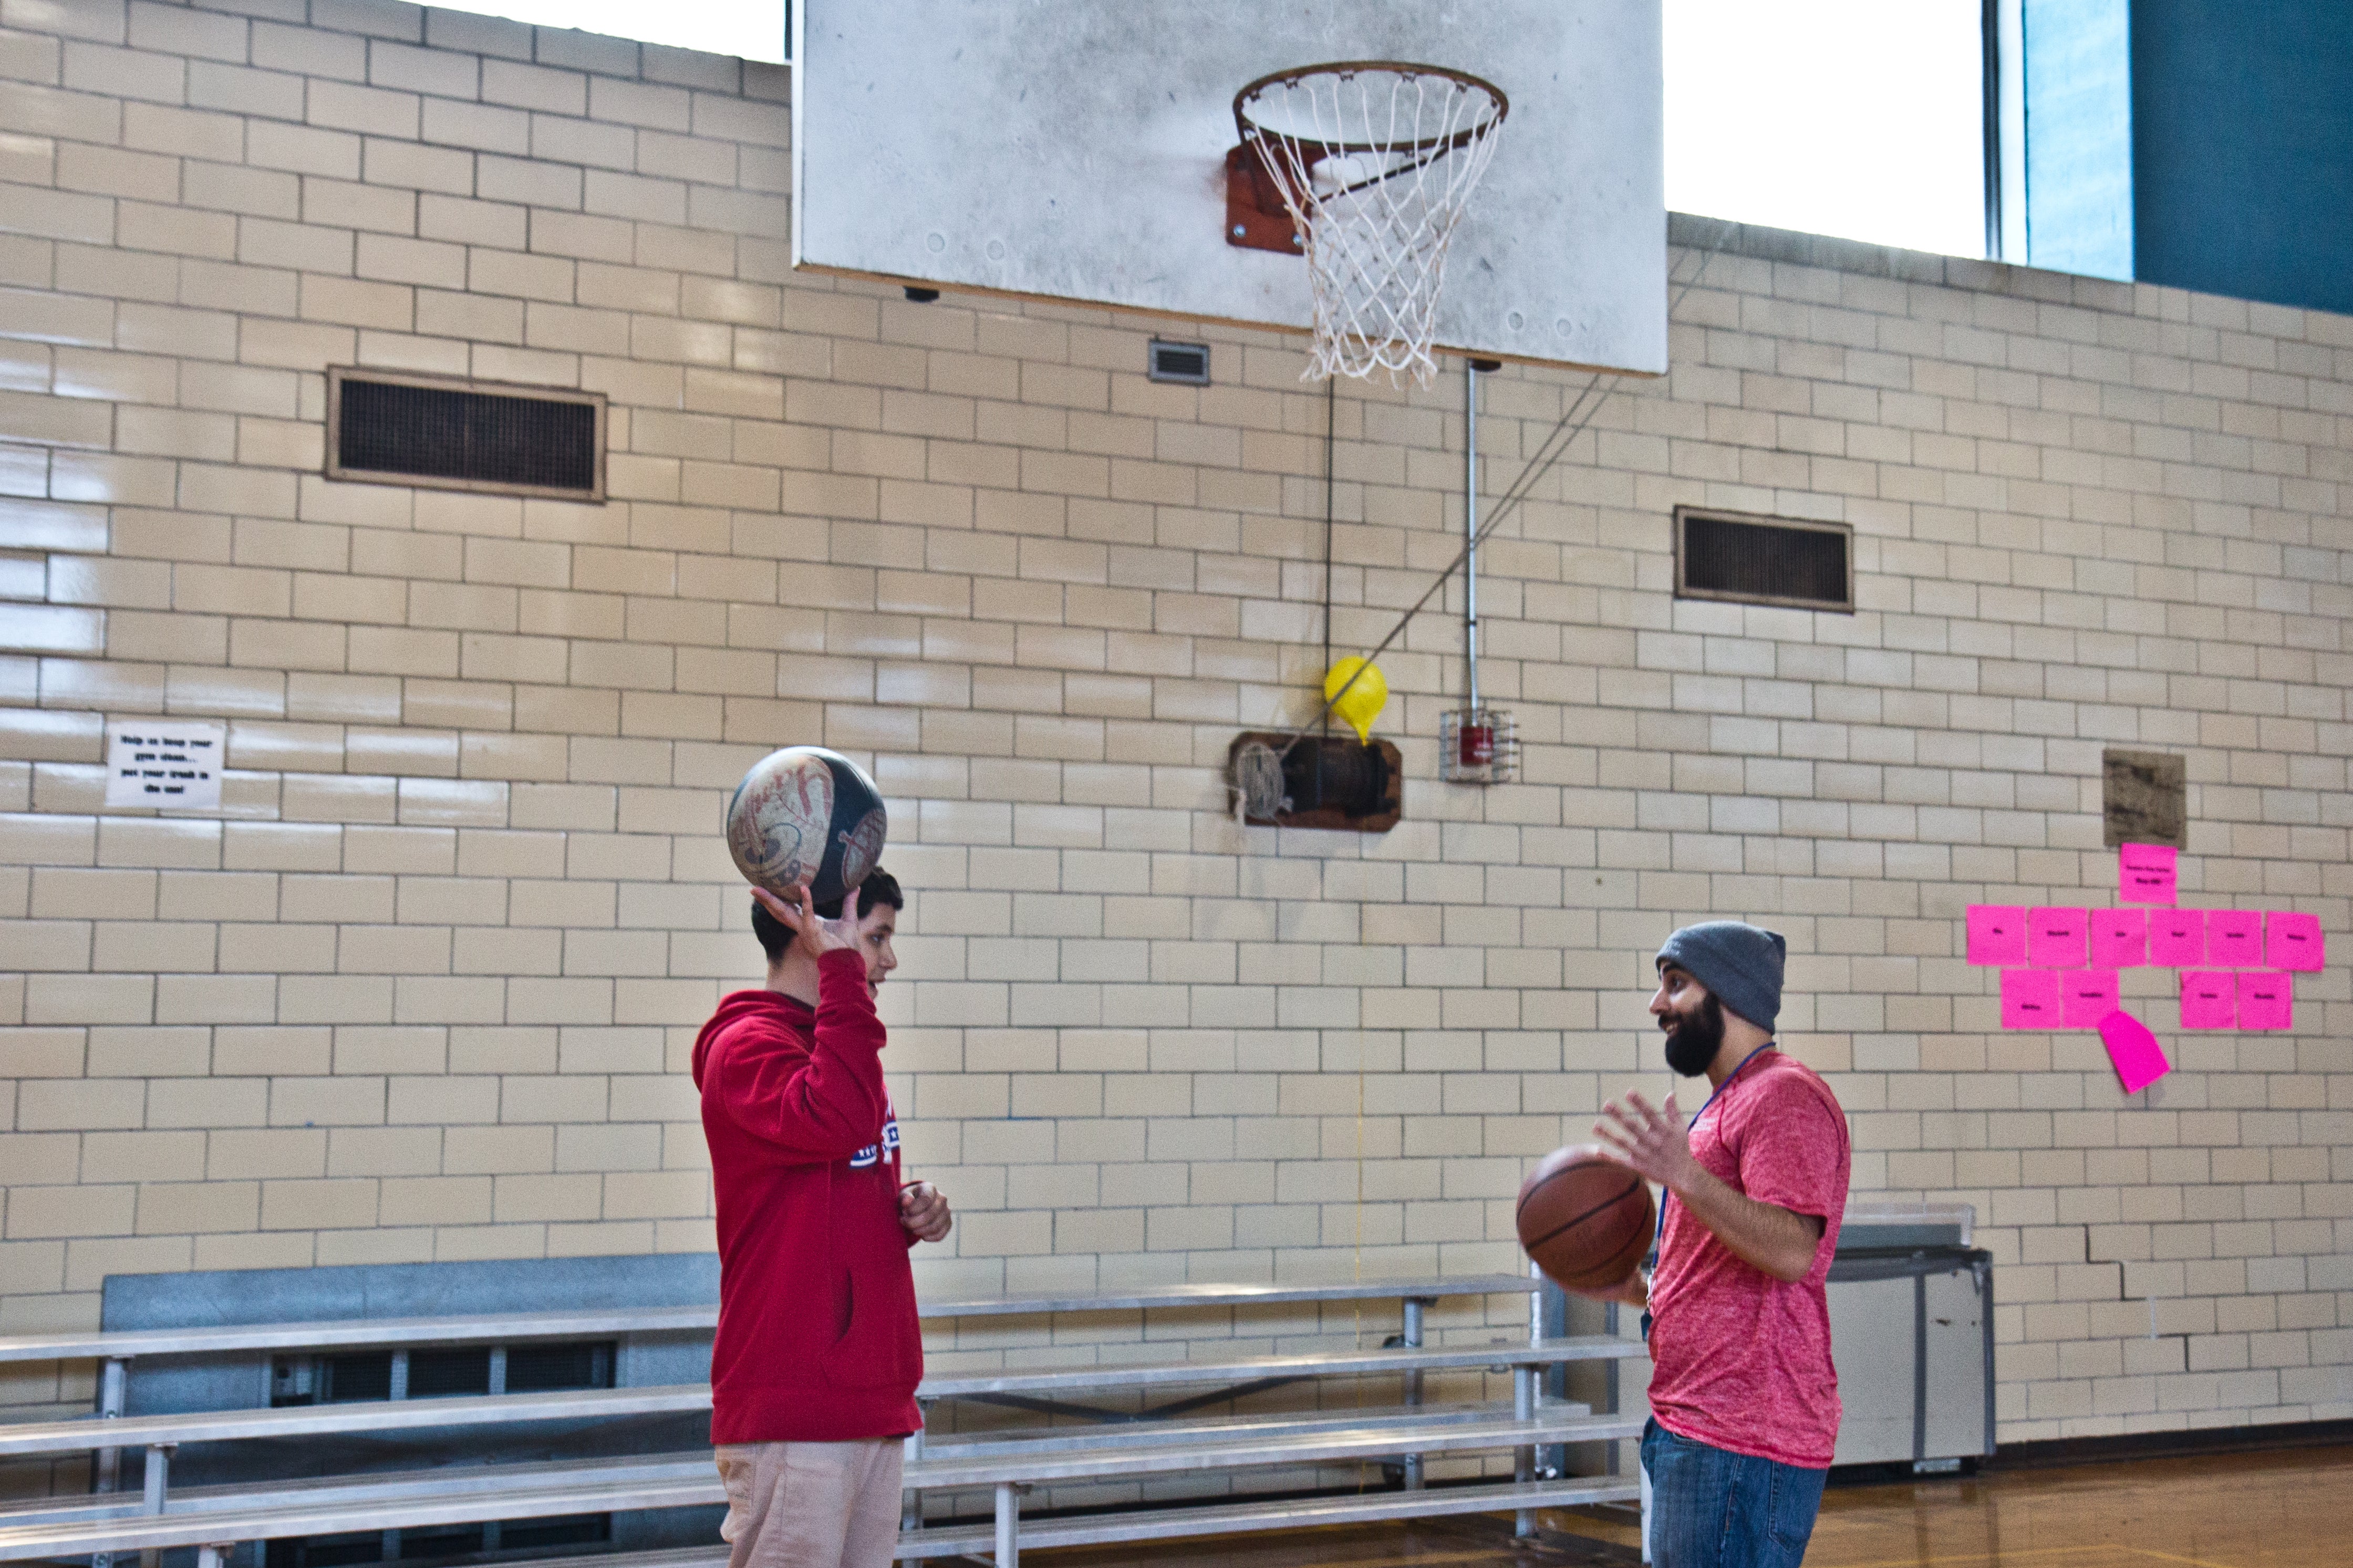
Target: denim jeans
1711,1508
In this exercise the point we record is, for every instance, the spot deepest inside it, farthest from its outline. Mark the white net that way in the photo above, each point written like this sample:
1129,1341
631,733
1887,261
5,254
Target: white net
1375,162
1257,783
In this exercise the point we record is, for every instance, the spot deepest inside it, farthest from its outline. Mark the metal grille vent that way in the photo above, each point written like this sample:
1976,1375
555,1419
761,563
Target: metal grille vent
1763,560
1185,362
461,435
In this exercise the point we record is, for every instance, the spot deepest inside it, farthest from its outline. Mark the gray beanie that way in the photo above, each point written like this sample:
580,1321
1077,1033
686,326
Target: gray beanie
1739,964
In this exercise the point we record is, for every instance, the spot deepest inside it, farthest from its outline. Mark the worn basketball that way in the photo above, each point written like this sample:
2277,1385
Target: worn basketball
806,816
1585,1218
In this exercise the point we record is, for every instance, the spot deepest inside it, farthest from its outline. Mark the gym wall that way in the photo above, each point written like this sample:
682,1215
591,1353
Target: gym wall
424,988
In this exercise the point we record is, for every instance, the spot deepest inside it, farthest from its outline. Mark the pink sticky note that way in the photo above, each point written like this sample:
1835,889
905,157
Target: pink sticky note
2029,999
2119,939
2139,1060
2177,938
2145,873
2210,999
2055,938
2266,1000
2234,937
1998,933
2086,997
2295,940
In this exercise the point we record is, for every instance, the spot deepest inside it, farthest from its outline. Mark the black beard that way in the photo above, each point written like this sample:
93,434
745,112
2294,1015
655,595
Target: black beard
1692,1043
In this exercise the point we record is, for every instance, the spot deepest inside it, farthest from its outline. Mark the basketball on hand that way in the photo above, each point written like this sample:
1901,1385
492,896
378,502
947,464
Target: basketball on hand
1586,1219
806,816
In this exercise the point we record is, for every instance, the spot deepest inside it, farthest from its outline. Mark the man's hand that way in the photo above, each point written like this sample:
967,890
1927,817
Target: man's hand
1634,1290
924,1212
1653,1142
812,934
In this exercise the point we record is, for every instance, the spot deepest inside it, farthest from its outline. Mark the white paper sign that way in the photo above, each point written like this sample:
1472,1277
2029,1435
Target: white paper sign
165,762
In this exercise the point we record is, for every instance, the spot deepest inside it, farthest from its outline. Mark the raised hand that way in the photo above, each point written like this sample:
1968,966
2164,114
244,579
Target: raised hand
1652,1140
812,932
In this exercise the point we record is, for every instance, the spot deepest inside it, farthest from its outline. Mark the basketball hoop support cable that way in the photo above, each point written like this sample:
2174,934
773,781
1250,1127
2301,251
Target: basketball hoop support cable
1554,448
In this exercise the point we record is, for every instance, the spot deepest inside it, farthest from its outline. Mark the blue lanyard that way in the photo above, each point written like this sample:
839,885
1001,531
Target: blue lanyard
1659,1233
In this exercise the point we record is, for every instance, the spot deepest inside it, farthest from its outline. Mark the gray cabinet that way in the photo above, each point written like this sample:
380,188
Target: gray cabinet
1911,1308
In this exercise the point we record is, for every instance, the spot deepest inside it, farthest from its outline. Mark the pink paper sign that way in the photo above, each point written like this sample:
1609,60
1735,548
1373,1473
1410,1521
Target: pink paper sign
1998,933
2266,1000
2029,999
2210,999
2119,939
2234,937
2086,997
2145,873
2056,939
2177,938
2293,940
2139,1060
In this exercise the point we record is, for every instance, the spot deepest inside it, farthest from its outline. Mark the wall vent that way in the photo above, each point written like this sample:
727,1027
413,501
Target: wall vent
445,433
1185,362
1751,560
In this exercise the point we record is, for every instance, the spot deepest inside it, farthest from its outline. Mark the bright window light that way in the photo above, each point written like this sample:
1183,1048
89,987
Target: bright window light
1858,118
750,30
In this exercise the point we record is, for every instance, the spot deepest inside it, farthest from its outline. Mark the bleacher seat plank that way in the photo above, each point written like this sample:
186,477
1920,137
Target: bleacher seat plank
347,1333
86,1434
1221,1518
477,1494
1300,1363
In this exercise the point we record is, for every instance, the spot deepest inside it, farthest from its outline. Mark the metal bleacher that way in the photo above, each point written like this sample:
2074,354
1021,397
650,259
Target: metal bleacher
1105,1444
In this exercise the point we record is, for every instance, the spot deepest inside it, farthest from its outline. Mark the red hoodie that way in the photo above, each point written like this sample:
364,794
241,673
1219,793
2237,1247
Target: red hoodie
819,1340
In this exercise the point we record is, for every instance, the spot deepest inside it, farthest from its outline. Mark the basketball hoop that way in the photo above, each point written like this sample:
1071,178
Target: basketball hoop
1373,160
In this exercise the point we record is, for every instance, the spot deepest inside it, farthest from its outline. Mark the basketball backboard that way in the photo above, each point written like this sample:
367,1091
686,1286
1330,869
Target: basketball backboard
1075,150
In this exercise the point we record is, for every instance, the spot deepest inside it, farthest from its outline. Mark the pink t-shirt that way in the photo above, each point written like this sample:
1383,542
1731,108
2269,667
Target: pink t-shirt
1742,1360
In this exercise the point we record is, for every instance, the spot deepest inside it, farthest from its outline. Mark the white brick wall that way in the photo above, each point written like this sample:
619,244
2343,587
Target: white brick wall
425,988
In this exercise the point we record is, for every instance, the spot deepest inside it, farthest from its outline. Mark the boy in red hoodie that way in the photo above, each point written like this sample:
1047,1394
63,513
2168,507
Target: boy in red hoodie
814,1369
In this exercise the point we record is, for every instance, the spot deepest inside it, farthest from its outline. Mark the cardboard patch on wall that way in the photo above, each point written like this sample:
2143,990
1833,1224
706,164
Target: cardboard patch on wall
2145,799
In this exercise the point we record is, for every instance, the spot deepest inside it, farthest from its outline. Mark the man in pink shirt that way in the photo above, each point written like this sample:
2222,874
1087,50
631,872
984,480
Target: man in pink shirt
1744,1399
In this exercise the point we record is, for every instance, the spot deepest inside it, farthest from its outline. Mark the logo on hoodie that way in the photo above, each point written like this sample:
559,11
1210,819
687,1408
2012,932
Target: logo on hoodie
889,1145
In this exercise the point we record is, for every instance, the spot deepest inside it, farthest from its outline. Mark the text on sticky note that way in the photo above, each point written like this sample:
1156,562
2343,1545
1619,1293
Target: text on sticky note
2029,999
2119,939
2056,939
2145,873
2266,1000
2292,941
2086,997
2210,999
1997,934
2177,938
2234,937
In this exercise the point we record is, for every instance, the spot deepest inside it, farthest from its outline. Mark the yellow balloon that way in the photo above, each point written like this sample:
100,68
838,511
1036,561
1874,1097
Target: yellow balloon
1365,698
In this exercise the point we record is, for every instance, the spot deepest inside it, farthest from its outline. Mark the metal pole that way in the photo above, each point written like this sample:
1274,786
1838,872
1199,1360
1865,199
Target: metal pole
1009,1518
1609,1376
1412,1338
1470,528
911,1499
113,1381
1524,1405
155,1479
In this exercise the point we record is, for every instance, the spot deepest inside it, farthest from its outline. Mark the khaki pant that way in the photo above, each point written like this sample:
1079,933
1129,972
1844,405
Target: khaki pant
812,1505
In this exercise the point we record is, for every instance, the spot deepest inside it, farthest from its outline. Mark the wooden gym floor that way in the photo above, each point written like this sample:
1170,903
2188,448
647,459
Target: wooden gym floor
2272,1510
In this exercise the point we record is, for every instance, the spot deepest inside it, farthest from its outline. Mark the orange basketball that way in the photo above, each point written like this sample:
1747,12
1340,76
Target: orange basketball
1585,1218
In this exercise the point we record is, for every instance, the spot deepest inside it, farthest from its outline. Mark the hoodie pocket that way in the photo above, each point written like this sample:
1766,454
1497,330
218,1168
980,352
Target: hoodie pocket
881,1345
